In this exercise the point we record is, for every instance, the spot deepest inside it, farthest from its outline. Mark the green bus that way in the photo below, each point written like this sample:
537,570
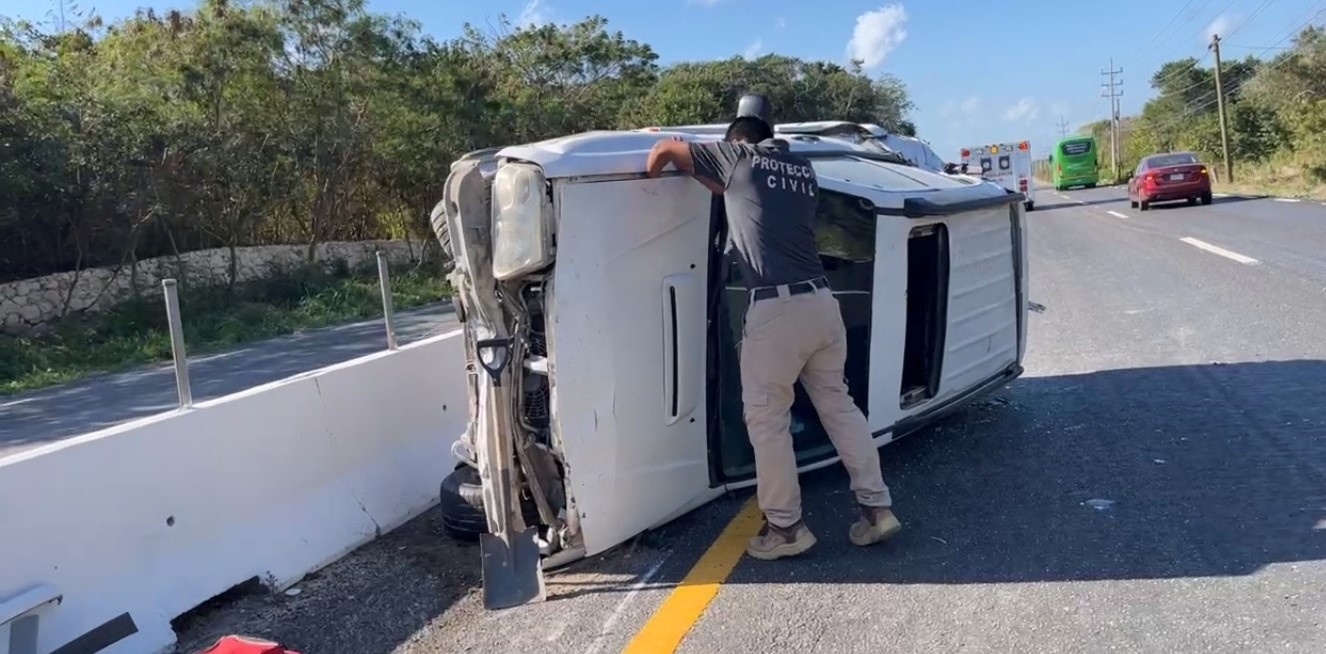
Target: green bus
1074,162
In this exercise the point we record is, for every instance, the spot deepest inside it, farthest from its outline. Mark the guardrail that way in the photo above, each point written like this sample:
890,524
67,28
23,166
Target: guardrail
110,535
175,322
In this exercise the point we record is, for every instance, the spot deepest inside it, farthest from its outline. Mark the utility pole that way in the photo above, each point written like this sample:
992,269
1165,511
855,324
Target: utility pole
1063,126
1110,90
1220,106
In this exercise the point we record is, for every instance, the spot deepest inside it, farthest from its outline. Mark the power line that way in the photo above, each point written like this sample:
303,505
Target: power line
1063,126
1147,46
1244,23
1192,111
1294,28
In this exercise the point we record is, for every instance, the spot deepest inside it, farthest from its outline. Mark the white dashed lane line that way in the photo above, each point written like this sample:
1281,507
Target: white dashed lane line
1213,249
1116,214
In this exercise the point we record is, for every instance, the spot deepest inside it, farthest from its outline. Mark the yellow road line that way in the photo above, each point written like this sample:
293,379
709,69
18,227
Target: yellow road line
665,629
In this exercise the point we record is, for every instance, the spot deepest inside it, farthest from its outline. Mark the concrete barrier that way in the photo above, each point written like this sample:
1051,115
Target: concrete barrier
156,516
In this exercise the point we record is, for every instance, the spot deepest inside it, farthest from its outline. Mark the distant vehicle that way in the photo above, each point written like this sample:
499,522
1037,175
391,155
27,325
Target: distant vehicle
1006,164
1075,162
1169,176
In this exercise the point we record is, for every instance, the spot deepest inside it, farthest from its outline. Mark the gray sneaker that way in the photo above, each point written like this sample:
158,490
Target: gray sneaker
777,542
877,524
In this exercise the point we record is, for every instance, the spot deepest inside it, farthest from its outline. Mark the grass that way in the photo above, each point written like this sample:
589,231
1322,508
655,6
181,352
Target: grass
135,332
1289,174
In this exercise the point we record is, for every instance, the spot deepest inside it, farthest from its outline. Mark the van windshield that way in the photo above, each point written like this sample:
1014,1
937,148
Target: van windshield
865,172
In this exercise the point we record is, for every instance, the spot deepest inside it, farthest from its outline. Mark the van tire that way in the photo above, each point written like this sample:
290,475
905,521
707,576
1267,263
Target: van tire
1206,198
1029,205
461,501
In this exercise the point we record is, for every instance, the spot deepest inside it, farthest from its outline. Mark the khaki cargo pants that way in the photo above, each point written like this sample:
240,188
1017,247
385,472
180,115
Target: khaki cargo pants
784,339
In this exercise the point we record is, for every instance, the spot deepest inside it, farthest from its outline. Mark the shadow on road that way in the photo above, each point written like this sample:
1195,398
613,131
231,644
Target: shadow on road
1181,204
367,603
1069,204
1155,473
1132,474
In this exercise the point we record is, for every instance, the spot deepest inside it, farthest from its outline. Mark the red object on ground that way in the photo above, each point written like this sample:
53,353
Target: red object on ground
245,645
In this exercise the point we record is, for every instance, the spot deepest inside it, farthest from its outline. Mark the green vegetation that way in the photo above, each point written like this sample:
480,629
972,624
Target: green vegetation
306,121
135,332
1277,118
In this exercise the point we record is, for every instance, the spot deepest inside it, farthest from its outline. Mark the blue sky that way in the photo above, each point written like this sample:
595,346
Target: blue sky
979,71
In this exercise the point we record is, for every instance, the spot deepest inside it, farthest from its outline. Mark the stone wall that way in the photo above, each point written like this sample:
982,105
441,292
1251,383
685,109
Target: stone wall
32,302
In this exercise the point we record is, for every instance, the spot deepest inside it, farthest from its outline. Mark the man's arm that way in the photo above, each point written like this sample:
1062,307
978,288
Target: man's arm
710,164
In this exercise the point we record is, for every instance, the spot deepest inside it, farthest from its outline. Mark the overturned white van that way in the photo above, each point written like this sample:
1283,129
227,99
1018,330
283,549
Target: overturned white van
601,320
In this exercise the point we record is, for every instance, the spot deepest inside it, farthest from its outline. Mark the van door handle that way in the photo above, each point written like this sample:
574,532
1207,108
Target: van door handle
683,345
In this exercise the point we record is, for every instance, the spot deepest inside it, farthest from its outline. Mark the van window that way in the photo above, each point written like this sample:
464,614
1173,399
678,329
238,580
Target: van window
845,236
866,173
843,228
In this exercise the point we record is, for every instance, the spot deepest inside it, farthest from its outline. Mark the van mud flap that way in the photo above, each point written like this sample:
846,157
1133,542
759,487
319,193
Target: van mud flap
512,571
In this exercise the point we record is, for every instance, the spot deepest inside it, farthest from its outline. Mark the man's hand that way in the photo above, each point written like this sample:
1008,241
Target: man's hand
677,150
672,150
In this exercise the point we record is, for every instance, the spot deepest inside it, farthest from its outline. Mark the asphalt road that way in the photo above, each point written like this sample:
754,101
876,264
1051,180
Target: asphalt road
1156,482
40,417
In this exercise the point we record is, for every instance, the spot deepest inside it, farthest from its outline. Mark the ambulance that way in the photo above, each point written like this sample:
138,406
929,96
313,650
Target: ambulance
1006,164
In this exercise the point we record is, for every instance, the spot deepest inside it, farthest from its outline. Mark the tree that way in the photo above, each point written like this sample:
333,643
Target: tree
302,121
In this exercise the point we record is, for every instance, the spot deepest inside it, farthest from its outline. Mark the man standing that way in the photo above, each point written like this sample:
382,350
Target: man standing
793,328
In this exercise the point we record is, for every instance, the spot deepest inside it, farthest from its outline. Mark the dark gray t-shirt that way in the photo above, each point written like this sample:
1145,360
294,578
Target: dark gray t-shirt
771,195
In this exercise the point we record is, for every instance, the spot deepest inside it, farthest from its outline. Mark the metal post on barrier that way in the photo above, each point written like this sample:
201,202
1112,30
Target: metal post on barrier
384,281
177,342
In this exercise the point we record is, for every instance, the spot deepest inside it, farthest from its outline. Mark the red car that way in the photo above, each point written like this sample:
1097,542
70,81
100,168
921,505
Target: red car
1170,176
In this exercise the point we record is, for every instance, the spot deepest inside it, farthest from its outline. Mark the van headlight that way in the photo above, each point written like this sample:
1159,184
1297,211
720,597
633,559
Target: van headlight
521,221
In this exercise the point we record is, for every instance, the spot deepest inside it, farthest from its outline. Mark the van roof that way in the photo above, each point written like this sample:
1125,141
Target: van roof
623,152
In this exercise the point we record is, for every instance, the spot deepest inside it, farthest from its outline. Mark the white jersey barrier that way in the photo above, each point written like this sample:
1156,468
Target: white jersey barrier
154,517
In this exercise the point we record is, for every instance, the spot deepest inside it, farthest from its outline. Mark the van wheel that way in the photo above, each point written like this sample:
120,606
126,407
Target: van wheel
461,501
1206,198
1091,186
1029,205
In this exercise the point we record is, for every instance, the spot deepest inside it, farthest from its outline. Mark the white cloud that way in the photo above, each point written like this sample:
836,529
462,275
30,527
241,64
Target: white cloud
780,22
1223,24
967,108
1025,111
971,105
754,50
876,34
534,13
